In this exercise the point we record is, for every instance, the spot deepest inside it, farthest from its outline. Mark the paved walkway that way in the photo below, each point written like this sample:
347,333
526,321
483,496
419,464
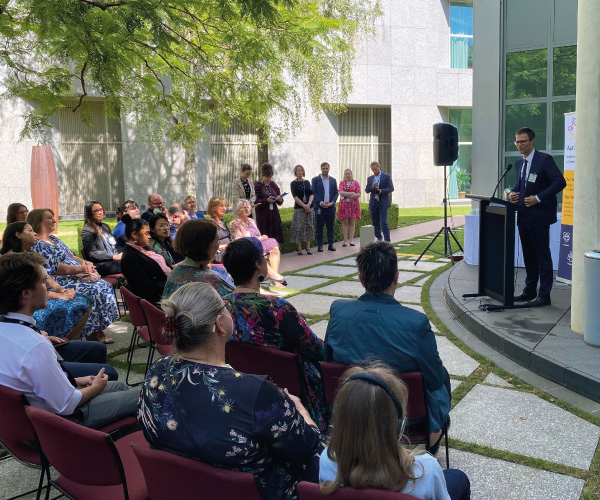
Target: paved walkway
512,443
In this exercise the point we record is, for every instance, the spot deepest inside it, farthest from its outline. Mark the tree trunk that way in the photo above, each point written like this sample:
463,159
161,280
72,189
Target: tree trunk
190,171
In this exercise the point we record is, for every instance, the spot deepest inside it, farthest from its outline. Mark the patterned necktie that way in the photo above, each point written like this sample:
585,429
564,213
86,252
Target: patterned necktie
59,358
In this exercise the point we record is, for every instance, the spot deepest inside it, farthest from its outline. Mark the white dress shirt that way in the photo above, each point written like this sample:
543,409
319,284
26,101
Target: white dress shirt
28,363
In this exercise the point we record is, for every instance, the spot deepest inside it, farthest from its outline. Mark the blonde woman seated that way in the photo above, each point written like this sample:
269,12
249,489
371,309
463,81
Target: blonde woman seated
369,417
244,227
195,405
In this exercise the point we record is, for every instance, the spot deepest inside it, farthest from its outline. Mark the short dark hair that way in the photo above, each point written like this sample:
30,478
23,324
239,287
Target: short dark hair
152,221
246,166
177,208
325,164
132,225
377,266
10,242
239,259
266,169
526,130
375,164
193,238
18,272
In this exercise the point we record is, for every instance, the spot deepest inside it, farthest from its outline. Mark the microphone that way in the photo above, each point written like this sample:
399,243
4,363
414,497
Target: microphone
506,170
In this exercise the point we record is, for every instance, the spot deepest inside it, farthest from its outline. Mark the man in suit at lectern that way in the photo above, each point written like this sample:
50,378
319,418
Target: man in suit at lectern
538,182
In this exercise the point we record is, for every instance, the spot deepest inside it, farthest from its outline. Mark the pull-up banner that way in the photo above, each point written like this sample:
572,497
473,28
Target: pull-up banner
565,258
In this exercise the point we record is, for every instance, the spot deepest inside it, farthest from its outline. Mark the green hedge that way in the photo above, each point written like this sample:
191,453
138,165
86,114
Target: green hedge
286,220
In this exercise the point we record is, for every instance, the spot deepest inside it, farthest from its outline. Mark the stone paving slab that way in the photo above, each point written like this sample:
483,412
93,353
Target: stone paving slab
408,265
16,478
327,270
454,384
308,303
353,288
455,361
320,329
523,423
404,276
424,258
303,282
494,479
140,355
134,377
120,332
493,379
408,294
348,261
421,282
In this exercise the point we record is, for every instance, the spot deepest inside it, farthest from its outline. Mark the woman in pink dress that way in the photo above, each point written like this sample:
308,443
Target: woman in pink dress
349,206
244,227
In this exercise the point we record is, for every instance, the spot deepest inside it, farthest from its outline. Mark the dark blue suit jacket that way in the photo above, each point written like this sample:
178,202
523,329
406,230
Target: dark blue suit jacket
319,191
548,183
386,186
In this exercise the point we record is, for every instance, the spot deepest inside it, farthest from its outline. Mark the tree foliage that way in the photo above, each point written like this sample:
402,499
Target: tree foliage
175,66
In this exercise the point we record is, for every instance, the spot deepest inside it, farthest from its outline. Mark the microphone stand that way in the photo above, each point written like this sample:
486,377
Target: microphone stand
506,170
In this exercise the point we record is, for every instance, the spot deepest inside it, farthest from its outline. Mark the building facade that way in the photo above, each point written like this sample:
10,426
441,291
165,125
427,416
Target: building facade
415,71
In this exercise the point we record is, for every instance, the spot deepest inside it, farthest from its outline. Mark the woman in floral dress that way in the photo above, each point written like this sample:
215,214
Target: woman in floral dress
64,267
197,406
349,206
272,321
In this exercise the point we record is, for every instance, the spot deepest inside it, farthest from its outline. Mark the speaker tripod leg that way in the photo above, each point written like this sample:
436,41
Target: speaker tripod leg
429,246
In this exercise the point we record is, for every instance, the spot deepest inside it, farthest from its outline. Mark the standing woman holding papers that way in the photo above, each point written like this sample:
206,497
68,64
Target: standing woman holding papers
268,197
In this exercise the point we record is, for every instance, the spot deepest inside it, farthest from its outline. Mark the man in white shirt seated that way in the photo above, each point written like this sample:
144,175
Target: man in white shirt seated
29,363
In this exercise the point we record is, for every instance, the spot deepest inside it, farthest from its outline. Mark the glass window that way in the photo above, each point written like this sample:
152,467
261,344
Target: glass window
565,21
461,35
511,178
462,119
459,179
565,68
526,115
364,135
526,23
558,123
526,74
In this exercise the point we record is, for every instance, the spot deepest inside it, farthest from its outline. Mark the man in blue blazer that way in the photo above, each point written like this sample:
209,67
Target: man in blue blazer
538,182
325,193
379,185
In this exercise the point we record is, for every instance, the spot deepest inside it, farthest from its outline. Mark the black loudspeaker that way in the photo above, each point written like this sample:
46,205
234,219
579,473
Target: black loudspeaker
445,144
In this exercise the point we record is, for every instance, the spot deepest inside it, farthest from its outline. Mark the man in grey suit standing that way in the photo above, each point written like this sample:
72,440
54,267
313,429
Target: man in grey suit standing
325,193
379,185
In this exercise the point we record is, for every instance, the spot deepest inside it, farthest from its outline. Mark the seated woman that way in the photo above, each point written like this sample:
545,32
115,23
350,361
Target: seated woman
66,314
146,271
192,207
99,245
160,241
195,405
74,273
244,227
198,241
16,212
217,207
131,208
272,321
369,417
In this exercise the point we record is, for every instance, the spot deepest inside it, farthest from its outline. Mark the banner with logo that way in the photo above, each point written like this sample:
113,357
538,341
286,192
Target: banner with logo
565,258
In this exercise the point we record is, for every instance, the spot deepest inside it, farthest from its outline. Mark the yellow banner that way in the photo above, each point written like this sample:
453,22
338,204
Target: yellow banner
567,201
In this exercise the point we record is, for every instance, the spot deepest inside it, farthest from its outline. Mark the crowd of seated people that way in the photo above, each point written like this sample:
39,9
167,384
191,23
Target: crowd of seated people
206,276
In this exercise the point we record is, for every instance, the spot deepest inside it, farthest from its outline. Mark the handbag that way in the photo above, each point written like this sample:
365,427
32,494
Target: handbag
87,277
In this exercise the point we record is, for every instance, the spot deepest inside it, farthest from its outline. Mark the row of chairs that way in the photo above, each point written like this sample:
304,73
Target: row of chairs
147,321
93,466
286,371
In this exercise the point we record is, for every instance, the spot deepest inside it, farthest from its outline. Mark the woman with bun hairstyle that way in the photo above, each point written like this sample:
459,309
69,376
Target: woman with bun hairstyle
146,271
365,449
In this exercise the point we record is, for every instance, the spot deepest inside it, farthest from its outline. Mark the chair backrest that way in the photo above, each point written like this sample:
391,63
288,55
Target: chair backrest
81,455
156,322
312,491
331,373
16,431
136,313
170,476
417,408
281,366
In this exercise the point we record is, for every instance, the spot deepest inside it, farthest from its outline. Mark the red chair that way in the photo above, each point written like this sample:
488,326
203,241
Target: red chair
417,430
91,465
282,366
312,491
156,322
170,476
140,330
17,435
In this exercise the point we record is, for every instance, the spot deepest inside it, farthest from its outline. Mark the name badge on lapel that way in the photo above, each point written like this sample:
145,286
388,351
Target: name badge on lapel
532,178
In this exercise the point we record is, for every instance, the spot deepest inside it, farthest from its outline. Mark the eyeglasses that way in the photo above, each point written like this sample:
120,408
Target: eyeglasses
98,210
45,279
520,143
267,255
227,305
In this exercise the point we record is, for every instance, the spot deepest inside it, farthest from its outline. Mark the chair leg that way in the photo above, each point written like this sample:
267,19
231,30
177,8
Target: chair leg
134,336
150,356
447,449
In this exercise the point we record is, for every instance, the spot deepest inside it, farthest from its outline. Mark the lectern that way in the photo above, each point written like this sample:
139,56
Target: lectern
496,251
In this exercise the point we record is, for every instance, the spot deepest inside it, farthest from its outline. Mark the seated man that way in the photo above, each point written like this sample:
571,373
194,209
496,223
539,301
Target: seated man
155,206
377,326
83,357
177,215
29,363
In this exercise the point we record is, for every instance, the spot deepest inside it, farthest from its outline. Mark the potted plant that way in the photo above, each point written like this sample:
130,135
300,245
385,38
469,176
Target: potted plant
463,182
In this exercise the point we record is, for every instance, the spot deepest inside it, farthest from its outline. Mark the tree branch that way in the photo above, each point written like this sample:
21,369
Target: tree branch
104,6
81,77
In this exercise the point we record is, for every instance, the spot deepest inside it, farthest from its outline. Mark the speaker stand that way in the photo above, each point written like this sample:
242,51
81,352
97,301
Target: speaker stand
445,229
